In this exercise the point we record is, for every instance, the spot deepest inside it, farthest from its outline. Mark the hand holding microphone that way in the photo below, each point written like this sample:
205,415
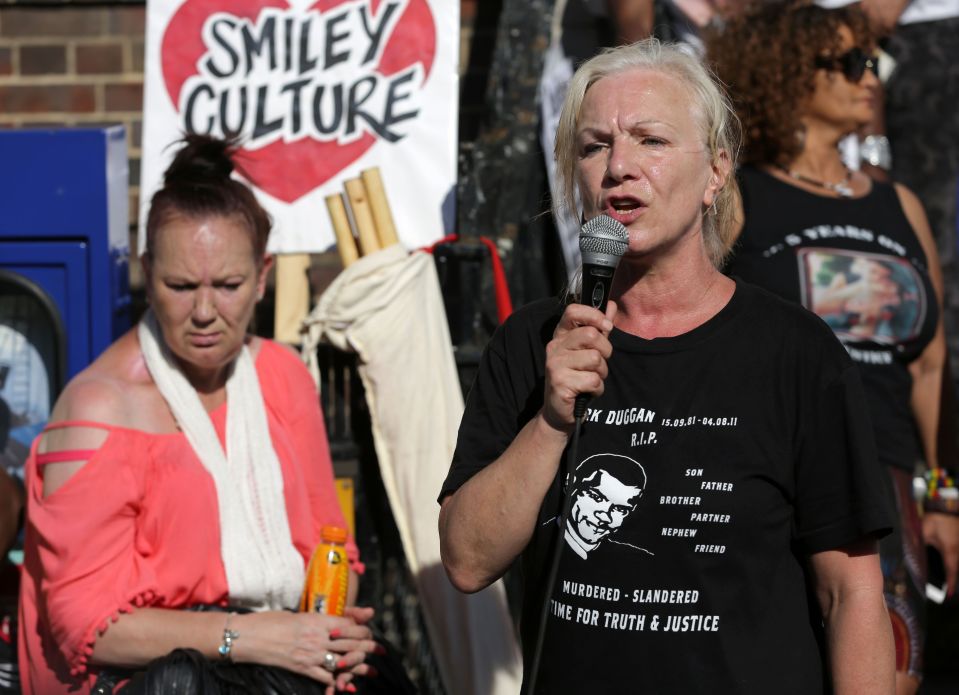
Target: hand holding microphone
576,369
576,357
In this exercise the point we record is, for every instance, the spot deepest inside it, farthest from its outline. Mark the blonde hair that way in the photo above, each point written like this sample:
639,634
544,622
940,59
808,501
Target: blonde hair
718,121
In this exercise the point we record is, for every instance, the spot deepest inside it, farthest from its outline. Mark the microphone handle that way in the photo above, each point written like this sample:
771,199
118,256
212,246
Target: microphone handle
597,280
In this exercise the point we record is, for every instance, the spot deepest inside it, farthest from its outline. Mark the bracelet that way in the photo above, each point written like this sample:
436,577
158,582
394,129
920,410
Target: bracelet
875,150
941,493
226,647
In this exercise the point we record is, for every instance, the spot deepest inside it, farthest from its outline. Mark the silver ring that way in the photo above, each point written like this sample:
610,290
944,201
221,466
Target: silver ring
330,661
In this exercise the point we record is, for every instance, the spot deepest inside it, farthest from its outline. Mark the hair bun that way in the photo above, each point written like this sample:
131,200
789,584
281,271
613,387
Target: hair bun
203,159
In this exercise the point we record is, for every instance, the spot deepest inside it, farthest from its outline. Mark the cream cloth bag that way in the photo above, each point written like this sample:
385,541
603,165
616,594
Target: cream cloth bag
263,569
387,308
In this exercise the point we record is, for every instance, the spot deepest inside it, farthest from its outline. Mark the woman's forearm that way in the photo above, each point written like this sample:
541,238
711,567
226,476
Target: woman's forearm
487,522
849,583
144,634
299,642
861,650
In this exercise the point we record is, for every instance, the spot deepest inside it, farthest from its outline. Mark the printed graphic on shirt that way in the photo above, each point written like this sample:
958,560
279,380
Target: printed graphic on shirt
653,602
619,505
862,296
828,232
606,489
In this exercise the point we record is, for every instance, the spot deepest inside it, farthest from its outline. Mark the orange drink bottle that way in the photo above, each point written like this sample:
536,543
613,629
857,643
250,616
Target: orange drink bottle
327,575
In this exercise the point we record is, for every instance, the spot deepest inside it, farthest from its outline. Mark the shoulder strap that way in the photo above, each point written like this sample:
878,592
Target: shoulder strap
65,455
70,454
894,212
78,423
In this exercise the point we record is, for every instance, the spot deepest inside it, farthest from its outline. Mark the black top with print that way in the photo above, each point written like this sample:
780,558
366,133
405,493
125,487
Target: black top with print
857,264
714,463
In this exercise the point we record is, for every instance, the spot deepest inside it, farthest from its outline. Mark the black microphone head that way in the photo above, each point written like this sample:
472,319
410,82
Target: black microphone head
602,241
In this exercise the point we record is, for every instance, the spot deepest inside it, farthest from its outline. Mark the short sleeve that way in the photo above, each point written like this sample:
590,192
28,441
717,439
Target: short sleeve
506,393
307,430
83,553
842,491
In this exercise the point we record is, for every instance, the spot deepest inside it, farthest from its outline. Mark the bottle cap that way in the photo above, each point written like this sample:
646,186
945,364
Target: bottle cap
333,534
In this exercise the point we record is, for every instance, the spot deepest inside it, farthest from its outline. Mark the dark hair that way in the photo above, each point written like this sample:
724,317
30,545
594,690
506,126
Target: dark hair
626,470
198,183
766,55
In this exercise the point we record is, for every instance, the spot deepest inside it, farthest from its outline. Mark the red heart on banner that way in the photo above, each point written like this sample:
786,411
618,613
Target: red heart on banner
288,171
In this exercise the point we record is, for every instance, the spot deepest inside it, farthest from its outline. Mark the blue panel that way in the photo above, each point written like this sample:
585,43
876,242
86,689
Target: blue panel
60,268
53,182
70,186
110,312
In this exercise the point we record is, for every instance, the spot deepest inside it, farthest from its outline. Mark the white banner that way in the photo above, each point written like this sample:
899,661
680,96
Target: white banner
317,91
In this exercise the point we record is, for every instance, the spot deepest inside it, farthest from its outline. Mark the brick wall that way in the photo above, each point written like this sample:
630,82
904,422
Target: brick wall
68,65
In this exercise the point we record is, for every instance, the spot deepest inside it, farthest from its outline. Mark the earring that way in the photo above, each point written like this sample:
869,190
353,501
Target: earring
712,209
801,137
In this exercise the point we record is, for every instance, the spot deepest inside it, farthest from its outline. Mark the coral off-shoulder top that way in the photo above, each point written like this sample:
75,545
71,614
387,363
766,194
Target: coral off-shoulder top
138,525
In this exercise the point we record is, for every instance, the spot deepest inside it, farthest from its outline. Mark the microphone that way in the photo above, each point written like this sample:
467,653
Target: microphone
602,242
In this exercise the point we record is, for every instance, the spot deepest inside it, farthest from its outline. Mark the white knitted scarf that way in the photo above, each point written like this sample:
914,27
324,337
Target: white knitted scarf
263,569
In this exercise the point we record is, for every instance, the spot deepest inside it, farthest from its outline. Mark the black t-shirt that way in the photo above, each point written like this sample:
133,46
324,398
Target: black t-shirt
857,264
709,469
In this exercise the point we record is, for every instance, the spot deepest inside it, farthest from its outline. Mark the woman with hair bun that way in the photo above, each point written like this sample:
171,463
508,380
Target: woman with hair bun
857,252
186,467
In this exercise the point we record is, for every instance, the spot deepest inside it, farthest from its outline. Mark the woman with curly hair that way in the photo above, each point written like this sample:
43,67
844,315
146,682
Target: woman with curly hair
856,252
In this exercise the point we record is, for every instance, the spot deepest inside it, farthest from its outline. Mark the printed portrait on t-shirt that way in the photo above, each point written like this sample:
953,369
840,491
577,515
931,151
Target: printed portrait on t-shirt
606,491
863,296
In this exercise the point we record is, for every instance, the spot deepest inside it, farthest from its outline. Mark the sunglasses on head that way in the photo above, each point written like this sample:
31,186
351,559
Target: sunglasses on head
853,64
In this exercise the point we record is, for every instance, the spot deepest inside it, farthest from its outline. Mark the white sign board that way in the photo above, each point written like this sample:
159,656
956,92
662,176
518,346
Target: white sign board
317,91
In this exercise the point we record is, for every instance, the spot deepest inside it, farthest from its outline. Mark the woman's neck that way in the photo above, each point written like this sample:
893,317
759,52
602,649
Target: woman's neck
668,297
209,384
821,164
820,158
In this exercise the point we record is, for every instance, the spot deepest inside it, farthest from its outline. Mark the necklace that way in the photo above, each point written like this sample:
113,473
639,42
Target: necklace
840,188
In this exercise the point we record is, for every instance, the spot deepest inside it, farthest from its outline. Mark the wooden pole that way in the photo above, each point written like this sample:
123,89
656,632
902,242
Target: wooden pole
385,229
345,243
292,296
362,216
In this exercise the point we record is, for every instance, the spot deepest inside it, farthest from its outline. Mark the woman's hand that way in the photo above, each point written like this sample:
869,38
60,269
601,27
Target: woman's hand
576,361
942,532
300,642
